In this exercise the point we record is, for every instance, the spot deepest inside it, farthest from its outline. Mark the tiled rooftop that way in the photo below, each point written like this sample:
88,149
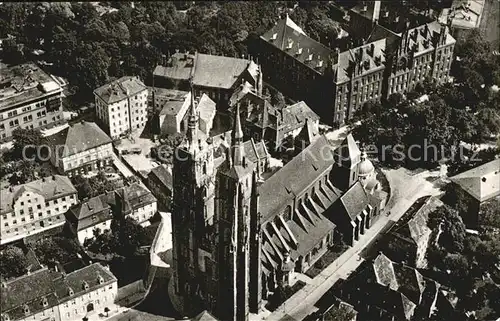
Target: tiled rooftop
51,187
206,70
120,89
44,289
162,174
282,187
482,182
290,38
77,138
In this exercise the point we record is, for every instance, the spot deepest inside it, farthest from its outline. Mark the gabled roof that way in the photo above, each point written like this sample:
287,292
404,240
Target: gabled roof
294,116
77,138
134,196
163,175
348,154
206,113
44,289
179,67
240,92
413,225
120,89
384,272
218,71
76,280
354,200
51,187
291,180
289,38
92,212
482,182
410,281
28,289
255,151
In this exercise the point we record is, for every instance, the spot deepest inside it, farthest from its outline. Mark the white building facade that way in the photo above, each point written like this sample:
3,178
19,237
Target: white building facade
121,106
35,206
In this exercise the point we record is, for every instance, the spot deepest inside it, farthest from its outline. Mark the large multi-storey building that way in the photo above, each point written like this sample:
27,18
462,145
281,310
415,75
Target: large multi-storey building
121,106
49,295
80,148
237,238
335,82
424,52
29,98
35,206
216,76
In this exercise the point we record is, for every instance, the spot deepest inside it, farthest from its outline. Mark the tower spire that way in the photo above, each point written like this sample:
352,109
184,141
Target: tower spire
237,139
193,119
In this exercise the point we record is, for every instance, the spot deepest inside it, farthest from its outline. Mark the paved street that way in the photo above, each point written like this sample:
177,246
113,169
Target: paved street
405,188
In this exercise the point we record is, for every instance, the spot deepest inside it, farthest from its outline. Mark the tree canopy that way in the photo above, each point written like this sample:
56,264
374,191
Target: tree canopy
89,48
124,238
91,187
13,262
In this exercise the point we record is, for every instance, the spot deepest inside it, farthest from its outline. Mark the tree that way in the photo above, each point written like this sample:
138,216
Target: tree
341,313
489,214
129,235
91,69
26,143
166,151
91,187
452,228
13,262
124,238
457,264
488,122
56,249
25,172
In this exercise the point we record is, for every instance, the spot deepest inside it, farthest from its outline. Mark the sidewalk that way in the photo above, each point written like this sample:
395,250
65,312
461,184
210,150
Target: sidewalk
301,304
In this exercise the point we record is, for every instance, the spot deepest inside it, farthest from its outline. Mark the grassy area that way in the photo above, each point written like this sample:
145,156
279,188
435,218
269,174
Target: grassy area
281,296
331,255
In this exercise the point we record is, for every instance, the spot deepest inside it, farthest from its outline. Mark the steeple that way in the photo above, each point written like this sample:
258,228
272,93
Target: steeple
192,120
237,140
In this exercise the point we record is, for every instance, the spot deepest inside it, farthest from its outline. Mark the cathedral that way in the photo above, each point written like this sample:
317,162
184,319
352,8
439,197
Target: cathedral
238,237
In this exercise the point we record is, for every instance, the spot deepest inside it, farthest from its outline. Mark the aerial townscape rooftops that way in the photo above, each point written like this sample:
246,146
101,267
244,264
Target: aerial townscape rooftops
246,160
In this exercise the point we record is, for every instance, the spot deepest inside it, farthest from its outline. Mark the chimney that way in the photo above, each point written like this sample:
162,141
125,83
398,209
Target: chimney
53,177
376,11
372,49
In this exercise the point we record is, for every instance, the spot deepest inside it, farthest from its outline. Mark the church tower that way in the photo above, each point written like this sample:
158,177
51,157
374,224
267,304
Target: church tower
192,216
233,216
346,160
